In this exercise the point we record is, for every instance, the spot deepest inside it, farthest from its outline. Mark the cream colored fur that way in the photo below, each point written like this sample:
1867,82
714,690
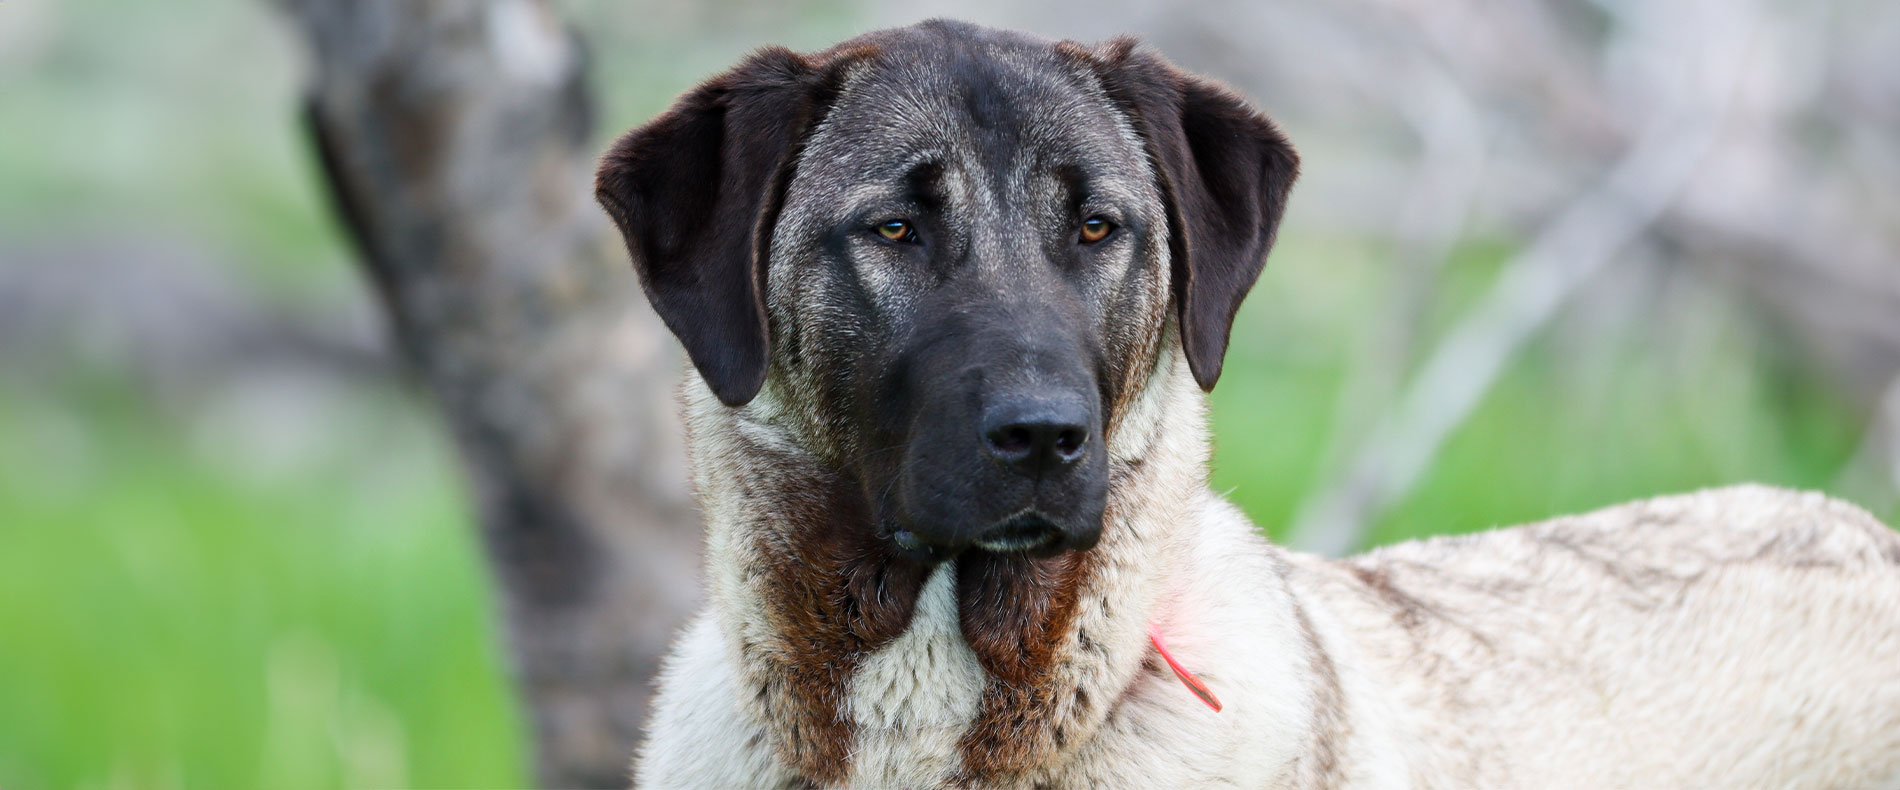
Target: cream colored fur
1743,637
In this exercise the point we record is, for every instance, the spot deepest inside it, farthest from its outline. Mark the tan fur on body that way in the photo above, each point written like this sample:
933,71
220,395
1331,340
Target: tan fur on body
1744,637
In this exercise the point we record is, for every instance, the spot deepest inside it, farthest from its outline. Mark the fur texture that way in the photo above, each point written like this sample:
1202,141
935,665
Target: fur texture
1747,637
1743,637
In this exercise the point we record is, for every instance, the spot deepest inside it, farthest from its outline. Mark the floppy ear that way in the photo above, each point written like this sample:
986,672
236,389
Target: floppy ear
1225,171
696,193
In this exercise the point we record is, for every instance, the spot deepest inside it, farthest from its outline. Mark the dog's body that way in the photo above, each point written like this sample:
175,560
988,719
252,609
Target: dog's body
953,477
1746,637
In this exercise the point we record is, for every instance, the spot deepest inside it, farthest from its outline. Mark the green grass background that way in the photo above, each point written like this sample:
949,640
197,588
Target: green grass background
171,616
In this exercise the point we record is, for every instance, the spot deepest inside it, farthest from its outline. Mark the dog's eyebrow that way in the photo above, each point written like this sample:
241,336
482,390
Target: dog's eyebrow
924,184
1078,187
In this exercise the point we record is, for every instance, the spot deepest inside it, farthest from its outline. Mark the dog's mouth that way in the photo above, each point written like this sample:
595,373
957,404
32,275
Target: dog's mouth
1028,533
1024,533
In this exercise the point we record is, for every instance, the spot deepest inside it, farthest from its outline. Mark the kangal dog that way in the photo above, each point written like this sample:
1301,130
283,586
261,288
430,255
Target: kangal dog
953,295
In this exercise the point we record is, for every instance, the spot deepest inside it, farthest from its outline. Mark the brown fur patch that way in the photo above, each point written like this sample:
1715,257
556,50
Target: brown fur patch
1018,616
834,593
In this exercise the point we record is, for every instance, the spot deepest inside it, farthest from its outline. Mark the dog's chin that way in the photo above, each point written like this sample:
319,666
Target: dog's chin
1028,533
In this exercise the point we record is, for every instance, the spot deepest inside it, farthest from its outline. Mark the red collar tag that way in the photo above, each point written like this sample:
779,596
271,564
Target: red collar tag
1193,683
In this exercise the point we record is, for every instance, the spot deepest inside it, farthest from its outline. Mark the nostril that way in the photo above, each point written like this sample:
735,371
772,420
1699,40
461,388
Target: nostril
1013,440
1069,443
1037,434
1038,446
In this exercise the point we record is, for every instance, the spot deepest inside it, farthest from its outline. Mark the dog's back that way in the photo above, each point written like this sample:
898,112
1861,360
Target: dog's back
1740,637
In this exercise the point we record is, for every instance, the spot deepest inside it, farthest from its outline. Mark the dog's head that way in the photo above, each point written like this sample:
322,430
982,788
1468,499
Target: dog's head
951,255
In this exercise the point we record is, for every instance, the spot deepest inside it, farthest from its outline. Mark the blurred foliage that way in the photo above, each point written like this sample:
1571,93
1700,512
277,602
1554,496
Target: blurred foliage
180,613
1660,402
146,119
178,609
176,618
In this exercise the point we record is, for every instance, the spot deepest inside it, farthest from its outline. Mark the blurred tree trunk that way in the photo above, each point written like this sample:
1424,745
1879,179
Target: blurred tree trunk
454,137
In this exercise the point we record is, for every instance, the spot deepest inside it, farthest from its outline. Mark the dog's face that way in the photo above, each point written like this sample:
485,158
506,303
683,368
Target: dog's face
952,255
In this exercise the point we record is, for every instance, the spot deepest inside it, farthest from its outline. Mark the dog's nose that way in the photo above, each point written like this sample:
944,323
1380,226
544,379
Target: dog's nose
1037,435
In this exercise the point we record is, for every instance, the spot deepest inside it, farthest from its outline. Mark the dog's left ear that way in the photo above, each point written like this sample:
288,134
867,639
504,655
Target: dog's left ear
696,193
1225,172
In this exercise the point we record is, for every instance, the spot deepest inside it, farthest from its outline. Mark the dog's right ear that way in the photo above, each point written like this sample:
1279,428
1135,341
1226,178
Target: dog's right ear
1225,172
696,193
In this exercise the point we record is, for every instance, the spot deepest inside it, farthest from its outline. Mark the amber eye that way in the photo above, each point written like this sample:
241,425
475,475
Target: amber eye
896,230
1095,229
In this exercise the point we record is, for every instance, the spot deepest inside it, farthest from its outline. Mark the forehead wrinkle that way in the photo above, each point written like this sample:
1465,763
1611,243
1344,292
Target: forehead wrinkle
911,102
895,112
889,181
879,132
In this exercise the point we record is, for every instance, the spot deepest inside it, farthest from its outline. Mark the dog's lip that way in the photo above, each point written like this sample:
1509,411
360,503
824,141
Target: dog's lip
910,545
1026,532
1022,533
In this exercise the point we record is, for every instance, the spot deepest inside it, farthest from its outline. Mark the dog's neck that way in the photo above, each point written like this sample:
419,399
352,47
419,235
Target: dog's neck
1002,662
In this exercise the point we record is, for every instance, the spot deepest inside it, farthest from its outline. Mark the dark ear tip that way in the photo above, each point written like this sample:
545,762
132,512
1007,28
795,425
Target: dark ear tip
1206,374
737,394
735,373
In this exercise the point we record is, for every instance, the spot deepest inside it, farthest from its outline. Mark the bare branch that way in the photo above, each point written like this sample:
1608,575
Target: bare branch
1580,241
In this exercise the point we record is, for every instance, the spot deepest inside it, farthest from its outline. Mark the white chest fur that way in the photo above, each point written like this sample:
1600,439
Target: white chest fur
916,696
